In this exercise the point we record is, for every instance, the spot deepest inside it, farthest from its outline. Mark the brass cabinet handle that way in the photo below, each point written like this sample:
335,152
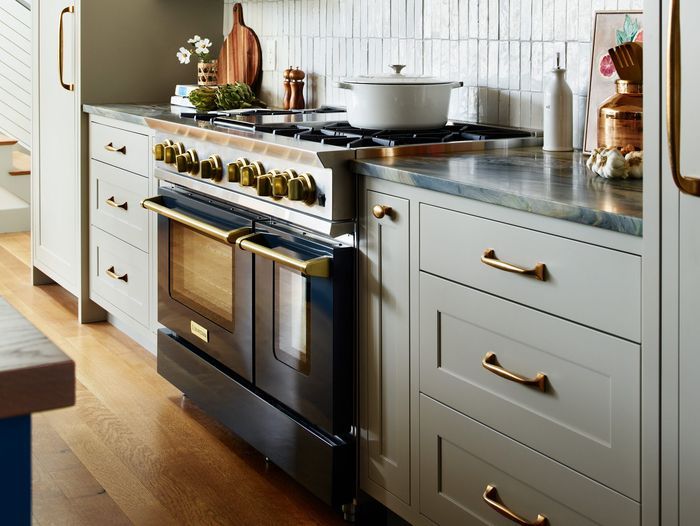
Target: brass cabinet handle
491,498
70,9
379,211
489,258
112,274
673,102
155,204
318,267
111,148
490,363
111,202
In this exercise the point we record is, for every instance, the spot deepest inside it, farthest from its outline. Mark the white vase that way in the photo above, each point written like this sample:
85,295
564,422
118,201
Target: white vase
558,113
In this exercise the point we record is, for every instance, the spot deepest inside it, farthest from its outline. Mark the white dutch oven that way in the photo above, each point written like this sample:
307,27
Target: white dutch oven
398,102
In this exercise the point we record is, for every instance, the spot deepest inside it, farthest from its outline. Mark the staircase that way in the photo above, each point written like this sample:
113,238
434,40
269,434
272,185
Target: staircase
15,170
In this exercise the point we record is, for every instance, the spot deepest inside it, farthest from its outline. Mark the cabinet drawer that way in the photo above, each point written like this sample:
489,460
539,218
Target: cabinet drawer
115,197
588,415
460,457
595,286
119,274
120,148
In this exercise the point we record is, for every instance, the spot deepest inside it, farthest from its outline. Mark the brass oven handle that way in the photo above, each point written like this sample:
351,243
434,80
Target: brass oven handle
69,9
155,204
111,202
123,277
489,258
318,267
490,363
111,148
491,498
673,102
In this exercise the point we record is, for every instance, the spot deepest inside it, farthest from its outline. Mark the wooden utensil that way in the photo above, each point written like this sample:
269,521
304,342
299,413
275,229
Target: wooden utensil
240,59
629,61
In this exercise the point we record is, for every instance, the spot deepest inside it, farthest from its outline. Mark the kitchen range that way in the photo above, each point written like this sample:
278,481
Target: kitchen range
257,273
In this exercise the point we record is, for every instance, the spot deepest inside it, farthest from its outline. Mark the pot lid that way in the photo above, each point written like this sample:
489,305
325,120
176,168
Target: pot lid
396,78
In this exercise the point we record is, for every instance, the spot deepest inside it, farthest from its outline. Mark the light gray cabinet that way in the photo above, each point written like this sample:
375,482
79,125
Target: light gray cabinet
385,356
451,349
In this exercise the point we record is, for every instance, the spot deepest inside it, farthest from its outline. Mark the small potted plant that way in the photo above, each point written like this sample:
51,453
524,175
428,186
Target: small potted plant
207,68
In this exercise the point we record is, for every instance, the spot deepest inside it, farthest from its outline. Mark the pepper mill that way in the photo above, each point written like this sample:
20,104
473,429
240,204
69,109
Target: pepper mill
287,99
296,78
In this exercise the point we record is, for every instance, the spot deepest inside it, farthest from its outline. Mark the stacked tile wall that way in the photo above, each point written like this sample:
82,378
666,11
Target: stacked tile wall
501,49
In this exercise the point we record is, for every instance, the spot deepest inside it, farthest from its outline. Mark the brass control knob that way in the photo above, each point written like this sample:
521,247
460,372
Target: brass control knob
280,183
264,185
171,152
234,169
159,149
379,211
250,173
302,188
188,162
213,168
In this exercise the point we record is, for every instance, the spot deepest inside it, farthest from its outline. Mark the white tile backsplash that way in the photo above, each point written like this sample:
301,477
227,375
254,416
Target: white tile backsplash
501,49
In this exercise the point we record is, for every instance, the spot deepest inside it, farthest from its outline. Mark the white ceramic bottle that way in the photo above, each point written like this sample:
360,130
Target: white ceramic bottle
558,112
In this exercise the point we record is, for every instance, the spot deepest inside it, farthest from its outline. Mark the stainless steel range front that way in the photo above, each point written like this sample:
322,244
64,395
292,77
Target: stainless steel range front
257,274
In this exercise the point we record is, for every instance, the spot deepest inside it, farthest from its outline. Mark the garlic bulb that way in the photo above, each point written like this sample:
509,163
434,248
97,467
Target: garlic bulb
615,166
635,164
592,159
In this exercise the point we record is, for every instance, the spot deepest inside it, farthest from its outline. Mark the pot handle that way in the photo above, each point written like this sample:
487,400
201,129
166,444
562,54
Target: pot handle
343,85
456,85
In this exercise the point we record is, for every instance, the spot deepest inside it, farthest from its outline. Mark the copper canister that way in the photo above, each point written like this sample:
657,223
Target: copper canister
620,118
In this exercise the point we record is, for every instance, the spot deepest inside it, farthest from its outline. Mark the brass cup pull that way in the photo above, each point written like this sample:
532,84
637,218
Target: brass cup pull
379,211
689,185
491,498
111,148
66,86
111,202
118,277
538,272
490,363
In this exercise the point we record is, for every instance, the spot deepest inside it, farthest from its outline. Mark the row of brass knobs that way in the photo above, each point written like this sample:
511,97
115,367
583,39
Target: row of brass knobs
275,183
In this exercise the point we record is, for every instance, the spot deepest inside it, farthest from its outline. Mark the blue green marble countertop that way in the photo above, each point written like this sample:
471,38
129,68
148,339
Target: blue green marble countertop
551,184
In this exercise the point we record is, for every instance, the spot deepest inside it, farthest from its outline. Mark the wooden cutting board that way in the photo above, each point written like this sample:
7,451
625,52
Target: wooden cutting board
240,59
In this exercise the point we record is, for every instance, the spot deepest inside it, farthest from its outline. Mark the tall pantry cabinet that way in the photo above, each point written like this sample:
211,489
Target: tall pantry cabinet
94,51
680,287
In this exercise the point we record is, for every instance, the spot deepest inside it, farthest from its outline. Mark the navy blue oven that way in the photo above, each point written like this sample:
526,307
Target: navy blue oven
260,333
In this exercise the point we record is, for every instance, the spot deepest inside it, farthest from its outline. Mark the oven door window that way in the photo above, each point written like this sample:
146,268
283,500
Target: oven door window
292,319
201,274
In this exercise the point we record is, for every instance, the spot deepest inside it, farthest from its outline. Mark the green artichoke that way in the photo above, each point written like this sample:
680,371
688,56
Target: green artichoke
226,97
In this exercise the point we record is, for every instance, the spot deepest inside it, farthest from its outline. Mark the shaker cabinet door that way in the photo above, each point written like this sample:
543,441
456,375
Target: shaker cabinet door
57,181
386,354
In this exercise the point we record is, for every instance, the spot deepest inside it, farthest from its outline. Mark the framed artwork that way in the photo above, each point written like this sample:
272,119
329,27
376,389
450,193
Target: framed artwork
611,29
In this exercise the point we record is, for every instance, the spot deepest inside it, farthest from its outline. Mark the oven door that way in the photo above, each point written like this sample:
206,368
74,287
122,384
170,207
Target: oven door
204,283
304,325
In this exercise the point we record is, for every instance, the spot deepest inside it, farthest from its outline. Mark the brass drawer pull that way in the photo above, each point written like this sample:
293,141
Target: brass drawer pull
111,202
111,148
489,258
379,211
491,498
111,274
490,363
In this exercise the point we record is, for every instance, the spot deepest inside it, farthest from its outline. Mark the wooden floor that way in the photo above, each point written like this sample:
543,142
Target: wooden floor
131,451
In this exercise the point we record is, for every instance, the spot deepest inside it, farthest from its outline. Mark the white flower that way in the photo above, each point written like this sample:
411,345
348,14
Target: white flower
184,55
202,47
194,39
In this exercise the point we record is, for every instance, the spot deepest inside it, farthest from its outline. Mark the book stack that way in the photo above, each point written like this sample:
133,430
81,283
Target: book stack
182,95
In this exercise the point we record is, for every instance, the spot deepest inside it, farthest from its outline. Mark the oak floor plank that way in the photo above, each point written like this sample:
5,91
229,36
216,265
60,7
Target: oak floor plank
133,450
